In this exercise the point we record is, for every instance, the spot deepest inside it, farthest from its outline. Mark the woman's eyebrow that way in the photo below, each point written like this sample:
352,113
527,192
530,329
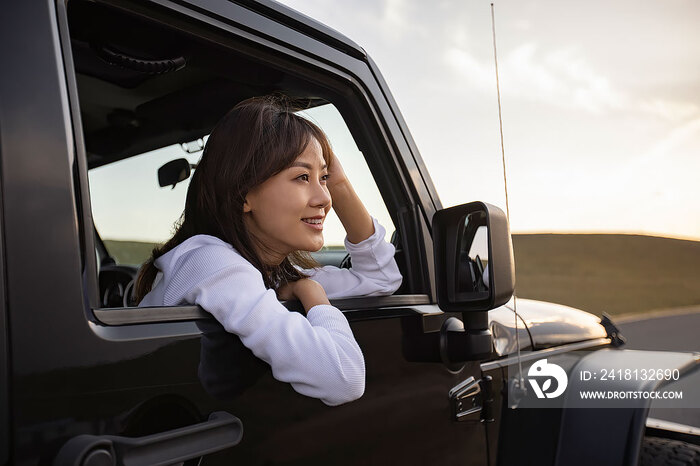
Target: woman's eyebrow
306,165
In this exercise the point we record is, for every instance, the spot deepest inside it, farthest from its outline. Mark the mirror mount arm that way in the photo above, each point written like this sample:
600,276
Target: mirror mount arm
457,341
466,340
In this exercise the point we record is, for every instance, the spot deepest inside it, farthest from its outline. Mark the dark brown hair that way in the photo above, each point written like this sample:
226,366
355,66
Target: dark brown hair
255,140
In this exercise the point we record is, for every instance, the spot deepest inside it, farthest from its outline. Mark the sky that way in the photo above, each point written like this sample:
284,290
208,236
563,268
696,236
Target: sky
600,105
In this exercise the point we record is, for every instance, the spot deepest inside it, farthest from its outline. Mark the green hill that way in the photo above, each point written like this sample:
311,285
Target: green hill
613,273
129,252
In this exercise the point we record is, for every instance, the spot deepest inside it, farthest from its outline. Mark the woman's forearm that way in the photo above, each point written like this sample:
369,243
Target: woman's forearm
310,293
352,212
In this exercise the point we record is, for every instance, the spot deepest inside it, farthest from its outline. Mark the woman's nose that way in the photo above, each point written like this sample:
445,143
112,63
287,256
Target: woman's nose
321,197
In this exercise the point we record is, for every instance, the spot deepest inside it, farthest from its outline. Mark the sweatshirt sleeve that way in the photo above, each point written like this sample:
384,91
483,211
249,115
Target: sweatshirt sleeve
373,273
317,355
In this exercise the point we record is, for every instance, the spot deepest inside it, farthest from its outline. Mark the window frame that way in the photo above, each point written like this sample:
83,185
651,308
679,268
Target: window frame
5,401
370,126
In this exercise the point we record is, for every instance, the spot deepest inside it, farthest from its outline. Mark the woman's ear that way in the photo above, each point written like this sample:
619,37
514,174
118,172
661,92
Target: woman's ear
248,201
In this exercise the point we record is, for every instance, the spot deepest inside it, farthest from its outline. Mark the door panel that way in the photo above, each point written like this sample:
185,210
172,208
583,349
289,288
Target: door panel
403,417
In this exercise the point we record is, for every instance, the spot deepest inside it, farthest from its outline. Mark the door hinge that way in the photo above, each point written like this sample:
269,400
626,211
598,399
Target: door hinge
472,400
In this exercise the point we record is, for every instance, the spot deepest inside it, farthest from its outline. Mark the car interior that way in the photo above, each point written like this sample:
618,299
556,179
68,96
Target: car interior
149,85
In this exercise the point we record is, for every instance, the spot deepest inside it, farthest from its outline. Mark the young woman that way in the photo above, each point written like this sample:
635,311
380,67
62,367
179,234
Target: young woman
255,207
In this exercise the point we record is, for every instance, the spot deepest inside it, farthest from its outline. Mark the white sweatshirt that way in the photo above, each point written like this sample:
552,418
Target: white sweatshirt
316,354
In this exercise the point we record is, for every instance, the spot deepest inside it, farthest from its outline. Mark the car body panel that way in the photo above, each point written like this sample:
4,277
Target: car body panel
505,340
4,355
541,325
553,324
619,431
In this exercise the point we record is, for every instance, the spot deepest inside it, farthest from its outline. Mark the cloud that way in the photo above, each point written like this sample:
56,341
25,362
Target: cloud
672,143
669,110
559,78
393,14
470,69
522,24
562,78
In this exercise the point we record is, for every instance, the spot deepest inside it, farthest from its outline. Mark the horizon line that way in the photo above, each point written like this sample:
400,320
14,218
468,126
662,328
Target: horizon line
608,232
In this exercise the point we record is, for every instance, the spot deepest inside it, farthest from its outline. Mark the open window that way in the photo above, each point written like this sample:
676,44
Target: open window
133,213
150,88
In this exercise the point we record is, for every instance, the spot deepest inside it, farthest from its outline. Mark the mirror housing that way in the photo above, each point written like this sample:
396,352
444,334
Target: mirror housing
174,171
462,282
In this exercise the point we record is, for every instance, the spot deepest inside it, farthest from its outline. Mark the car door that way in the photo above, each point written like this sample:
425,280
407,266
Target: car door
128,372
4,360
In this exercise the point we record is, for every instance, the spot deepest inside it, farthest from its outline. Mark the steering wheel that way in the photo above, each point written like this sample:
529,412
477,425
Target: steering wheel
128,300
113,295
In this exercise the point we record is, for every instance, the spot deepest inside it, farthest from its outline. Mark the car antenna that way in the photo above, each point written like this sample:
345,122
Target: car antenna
518,389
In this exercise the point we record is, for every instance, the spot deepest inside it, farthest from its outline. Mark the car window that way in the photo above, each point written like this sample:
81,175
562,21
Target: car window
132,212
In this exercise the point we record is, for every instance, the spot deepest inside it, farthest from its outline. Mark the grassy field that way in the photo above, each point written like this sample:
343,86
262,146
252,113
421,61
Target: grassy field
618,274
129,252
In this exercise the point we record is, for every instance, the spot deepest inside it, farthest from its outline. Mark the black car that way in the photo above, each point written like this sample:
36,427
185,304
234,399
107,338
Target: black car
96,98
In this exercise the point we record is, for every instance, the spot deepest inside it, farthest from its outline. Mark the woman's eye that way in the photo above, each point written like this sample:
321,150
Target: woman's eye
305,177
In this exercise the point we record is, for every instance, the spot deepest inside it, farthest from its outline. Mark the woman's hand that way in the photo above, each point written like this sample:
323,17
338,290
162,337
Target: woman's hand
306,290
351,212
336,174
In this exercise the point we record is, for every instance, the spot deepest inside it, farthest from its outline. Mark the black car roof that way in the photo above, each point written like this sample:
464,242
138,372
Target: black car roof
303,23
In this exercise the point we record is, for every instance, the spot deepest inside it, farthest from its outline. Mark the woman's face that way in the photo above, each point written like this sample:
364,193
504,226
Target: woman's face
286,212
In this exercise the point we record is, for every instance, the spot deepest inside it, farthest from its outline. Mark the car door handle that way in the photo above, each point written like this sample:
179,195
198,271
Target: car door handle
221,431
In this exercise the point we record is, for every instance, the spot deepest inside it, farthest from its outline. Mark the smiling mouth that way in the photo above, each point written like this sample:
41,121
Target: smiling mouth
315,223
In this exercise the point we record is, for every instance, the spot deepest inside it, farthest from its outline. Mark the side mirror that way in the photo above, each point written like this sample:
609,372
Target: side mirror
173,172
474,265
